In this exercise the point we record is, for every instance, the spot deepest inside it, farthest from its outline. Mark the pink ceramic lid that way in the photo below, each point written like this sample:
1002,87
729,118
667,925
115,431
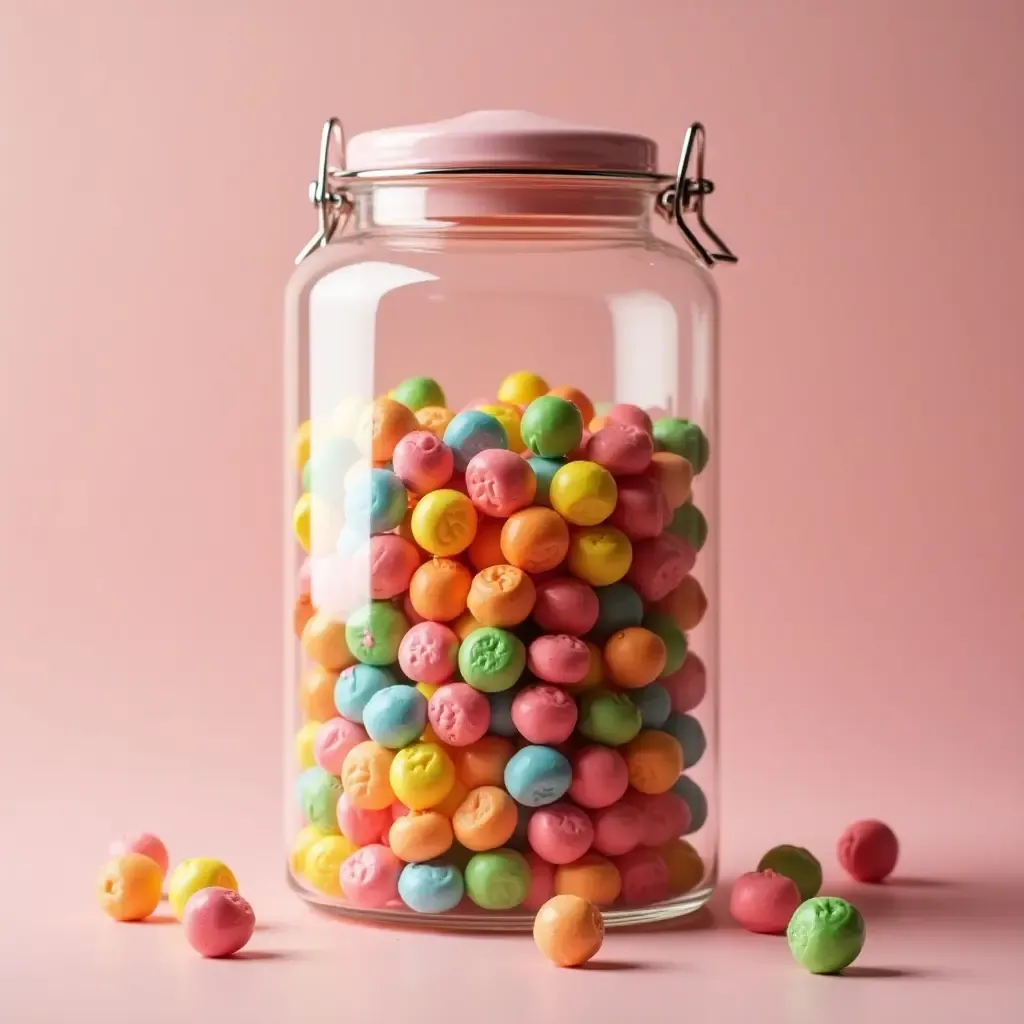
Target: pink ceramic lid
501,138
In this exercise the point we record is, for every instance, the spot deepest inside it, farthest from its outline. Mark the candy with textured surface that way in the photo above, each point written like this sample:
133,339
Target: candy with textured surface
145,843
365,776
796,863
685,866
501,595
498,879
129,887
688,522
396,716
673,638
618,828
491,659
665,816
535,539
500,482
551,426
688,686
559,659
763,902
485,550
417,393
431,888
375,502
560,833
355,687
421,836
359,825
428,653
486,819
521,388
301,845
508,416
537,775
608,717
423,462
370,876
218,922
374,631
316,694
544,714
472,432
194,874
392,561
868,851
592,877
659,565
322,868
422,775
622,448
383,425
644,877
565,605
633,415
599,776
685,606
600,555
568,930
690,734
826,935
640,511
673,475
444,522
459,714
619,607
583,493
578,398
324,639
682,437
435,418
655,761
634,657
438,589
318,795
654,703
483,763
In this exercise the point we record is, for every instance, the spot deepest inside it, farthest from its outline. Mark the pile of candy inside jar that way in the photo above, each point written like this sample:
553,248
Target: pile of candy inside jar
497,689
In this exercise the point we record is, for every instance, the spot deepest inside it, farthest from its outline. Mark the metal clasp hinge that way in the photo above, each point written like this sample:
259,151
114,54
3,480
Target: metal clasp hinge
687,196
332,207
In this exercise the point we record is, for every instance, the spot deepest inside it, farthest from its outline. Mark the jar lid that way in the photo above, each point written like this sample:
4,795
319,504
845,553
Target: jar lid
501,138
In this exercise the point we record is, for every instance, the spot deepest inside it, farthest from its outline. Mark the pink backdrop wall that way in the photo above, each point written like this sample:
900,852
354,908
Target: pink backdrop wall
153,166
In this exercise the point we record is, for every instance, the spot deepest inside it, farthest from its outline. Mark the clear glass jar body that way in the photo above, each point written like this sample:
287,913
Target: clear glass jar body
596,303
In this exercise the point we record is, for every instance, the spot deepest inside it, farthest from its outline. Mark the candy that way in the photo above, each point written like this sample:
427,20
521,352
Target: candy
796,863
521,388
497,879
695,800
453,801
665,816
431,888
301,444
145,843
383,425
551,426
595,671
690,734
491,659
508,416
826,935
592,877
599,776
302,521
500,482
544,714
304,745
659,565
324,641
673,476
396,716
632,415
578,398
417,393
322,868
428,653
435,418
356,686
537,775
644,877
318,792
608,717
559,659
194,874
365,776
600,555
544,471
359,825
438,589
560,833
472,432
218,922
685,606
301,845
459,715
565,605
374,631
444,522
423,462
868,851
688,523
617,829
685,867
369,877
542,880
375,502
682,437
688,686
129,887
621,448
763,902
672,637
634,657
392,560
422,775
421,836
501,595
568,930
640,511
501,713
486,819
535,539
619,607
583,493
655,761
483,763
654,703
485,550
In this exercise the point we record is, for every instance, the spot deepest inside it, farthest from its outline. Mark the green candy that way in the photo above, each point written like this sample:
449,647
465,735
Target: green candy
609,718
826,935
374,632
684,438
797,864
498,879
318,796
492,659
551,427
418,392
688,522
673,638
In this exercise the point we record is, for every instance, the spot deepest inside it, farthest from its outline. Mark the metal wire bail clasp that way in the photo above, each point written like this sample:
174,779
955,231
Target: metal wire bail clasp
332,207
687,196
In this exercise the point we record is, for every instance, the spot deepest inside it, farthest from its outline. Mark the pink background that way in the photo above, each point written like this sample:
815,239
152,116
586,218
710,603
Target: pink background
153,166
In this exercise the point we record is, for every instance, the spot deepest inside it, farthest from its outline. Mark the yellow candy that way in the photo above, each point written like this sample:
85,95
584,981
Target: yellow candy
301,444
444,522
522,388
301,844
583,493
302,520
434,418
323,864
599,555
192,875
509,418
304,745
422,775
685,867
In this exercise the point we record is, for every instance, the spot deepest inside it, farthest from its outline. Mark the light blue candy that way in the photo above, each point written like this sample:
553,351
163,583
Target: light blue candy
654,703
395,716
536,775
355,687
431,888
376,502
472,432
544,470
318,796
690,734
695,799
619,607
501,713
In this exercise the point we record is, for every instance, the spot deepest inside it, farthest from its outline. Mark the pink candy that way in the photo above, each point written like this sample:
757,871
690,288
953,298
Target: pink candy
369,877
218,922
459,714
688,686
566,605
630,414
428,652
659,565
622,448
665,816
542,882
644,877
560,833
599,776
641,510
423,462
145,843
544,714
393,560
559,659
333,740
617,828
499,482
764,902
360,826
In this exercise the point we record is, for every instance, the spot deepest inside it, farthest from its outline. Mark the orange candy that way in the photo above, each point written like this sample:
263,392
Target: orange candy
580,400
535,539
304,611
129,887
568,930
597,423
365,776
438,589
391,422
486,819
323,640
501,596
420,835
592,877
464,625
453,801
316,694
483,763
654,760
686,605
685,867
674,475
485,550
634,657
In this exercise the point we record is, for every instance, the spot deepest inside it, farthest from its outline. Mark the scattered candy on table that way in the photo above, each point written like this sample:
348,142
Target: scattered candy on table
145,843
568,930
763,901
218,922
826,935
129,887
868,851
796,863
192,875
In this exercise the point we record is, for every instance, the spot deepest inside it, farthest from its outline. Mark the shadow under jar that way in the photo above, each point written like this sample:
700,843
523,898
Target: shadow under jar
502,491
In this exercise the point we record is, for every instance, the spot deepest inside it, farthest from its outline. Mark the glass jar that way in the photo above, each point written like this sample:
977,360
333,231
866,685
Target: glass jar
502,490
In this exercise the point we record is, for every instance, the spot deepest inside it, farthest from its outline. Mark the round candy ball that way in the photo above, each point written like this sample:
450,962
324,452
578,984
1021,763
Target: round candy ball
655,705
129,887
416,393
501,595
682,437
501,713
796,863
868,851
428,653
618,828
304,739
633,415
318,796
673,475
592,877
537,775
578,398
355,687
535,539
420,836
444,522
600,555
145,843
621,448
374,631
332,742
599,776
544,714
665,816
521,388
485,550
325,472
423,462
686,605
583,493
673,638
370,876
640,511
194,874
690,734
375,502
422,775
542,881
322,865
763,902
688,686
560,833
658,565
459,714
644,877
491,659
218,922
500,482
324,639
498,879
685,866
544,471
565,605
568,930
435,418
431,888
483,763
359,825
508,416
694,798
688,523
396,716
634,657
619,607
551,426
486,819
392,560
559,659
826,935
365,776
472,432
608,717
439,588
382,426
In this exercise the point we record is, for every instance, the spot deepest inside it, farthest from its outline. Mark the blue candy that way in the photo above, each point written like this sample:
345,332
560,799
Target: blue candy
431,888
501,713
619,607
395,716
355,687
544,470
535,776
376,502
654,703
694,798
690,734
472,432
